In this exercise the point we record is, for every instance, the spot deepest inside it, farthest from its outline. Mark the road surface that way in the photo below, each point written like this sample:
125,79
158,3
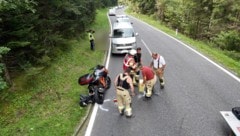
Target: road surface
196,90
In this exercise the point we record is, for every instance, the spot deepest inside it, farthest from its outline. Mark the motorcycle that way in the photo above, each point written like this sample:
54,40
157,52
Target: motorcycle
98,82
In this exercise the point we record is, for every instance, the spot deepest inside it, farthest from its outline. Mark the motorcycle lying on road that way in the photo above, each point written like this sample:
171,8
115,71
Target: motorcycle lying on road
98,82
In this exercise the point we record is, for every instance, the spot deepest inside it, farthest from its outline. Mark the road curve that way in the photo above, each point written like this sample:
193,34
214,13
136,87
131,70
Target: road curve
196,90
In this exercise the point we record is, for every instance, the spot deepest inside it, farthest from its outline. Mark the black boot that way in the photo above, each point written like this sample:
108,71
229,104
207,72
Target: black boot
161,83
122,112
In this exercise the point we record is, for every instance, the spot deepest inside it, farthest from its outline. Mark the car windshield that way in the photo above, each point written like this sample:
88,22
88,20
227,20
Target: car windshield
123,20
123,33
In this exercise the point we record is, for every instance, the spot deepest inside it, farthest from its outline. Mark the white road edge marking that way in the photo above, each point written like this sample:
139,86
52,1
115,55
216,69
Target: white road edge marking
93,116
146,46
94,112
218,66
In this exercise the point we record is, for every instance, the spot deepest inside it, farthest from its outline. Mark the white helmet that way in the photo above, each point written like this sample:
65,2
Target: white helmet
132,52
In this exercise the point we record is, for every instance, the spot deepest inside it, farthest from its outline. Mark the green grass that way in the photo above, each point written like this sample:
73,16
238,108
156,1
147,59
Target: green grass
213,53
47,104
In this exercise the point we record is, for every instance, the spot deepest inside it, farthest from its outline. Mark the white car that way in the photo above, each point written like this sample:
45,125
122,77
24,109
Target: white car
122,16
112,12
123,38
125,19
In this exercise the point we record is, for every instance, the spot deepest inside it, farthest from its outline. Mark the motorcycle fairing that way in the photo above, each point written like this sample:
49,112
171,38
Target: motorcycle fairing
85,79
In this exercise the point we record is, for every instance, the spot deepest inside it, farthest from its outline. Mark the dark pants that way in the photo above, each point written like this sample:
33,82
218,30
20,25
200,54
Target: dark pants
92,44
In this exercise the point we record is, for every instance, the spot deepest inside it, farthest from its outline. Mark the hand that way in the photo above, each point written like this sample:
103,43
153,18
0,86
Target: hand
133,94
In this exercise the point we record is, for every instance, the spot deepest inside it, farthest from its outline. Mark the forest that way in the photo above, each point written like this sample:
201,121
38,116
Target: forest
34,31
216,22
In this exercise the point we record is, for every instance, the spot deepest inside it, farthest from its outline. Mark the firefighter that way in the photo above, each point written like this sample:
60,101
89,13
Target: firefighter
138,55
158,64
129,62
123,83
138,61
149,80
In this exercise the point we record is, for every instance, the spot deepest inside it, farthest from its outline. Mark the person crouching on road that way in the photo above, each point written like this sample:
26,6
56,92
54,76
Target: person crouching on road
123,82
129,62
158,64
149,80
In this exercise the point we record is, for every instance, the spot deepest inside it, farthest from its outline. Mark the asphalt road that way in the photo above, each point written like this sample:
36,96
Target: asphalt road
196,90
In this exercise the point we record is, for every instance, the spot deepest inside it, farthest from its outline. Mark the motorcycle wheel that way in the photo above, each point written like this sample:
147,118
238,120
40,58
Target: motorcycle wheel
108,81
98,99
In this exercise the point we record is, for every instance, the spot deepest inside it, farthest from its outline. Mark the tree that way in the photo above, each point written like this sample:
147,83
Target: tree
208,20
229,40
36,30
4,75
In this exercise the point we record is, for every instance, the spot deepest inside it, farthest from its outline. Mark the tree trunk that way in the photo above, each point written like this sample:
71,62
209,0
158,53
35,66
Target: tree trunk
7,75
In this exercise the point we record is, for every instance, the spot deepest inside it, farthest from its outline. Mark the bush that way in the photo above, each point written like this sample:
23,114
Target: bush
228,41
233,54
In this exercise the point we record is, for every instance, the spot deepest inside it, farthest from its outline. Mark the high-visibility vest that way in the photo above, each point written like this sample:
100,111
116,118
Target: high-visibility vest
126,61
90,36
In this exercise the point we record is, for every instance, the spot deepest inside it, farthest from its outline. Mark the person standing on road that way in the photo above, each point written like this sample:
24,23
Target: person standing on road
138,61
149,80
91,39
158,64
122,83
138,55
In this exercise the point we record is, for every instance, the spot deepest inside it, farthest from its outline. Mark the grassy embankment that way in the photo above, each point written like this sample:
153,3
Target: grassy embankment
213,53
47,104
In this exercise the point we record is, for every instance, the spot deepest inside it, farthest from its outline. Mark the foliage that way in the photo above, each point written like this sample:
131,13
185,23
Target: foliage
46,104
3,83
143,6
228,59
36,30
201,20
105,3
228,41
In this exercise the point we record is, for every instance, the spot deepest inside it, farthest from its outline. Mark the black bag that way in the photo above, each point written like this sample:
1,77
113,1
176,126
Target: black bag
236,112
85,100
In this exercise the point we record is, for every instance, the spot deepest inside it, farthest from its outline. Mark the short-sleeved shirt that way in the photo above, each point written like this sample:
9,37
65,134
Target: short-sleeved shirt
137,57
159,62
148,72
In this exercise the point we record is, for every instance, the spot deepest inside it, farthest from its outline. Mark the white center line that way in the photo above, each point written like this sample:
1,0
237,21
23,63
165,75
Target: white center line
146,47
